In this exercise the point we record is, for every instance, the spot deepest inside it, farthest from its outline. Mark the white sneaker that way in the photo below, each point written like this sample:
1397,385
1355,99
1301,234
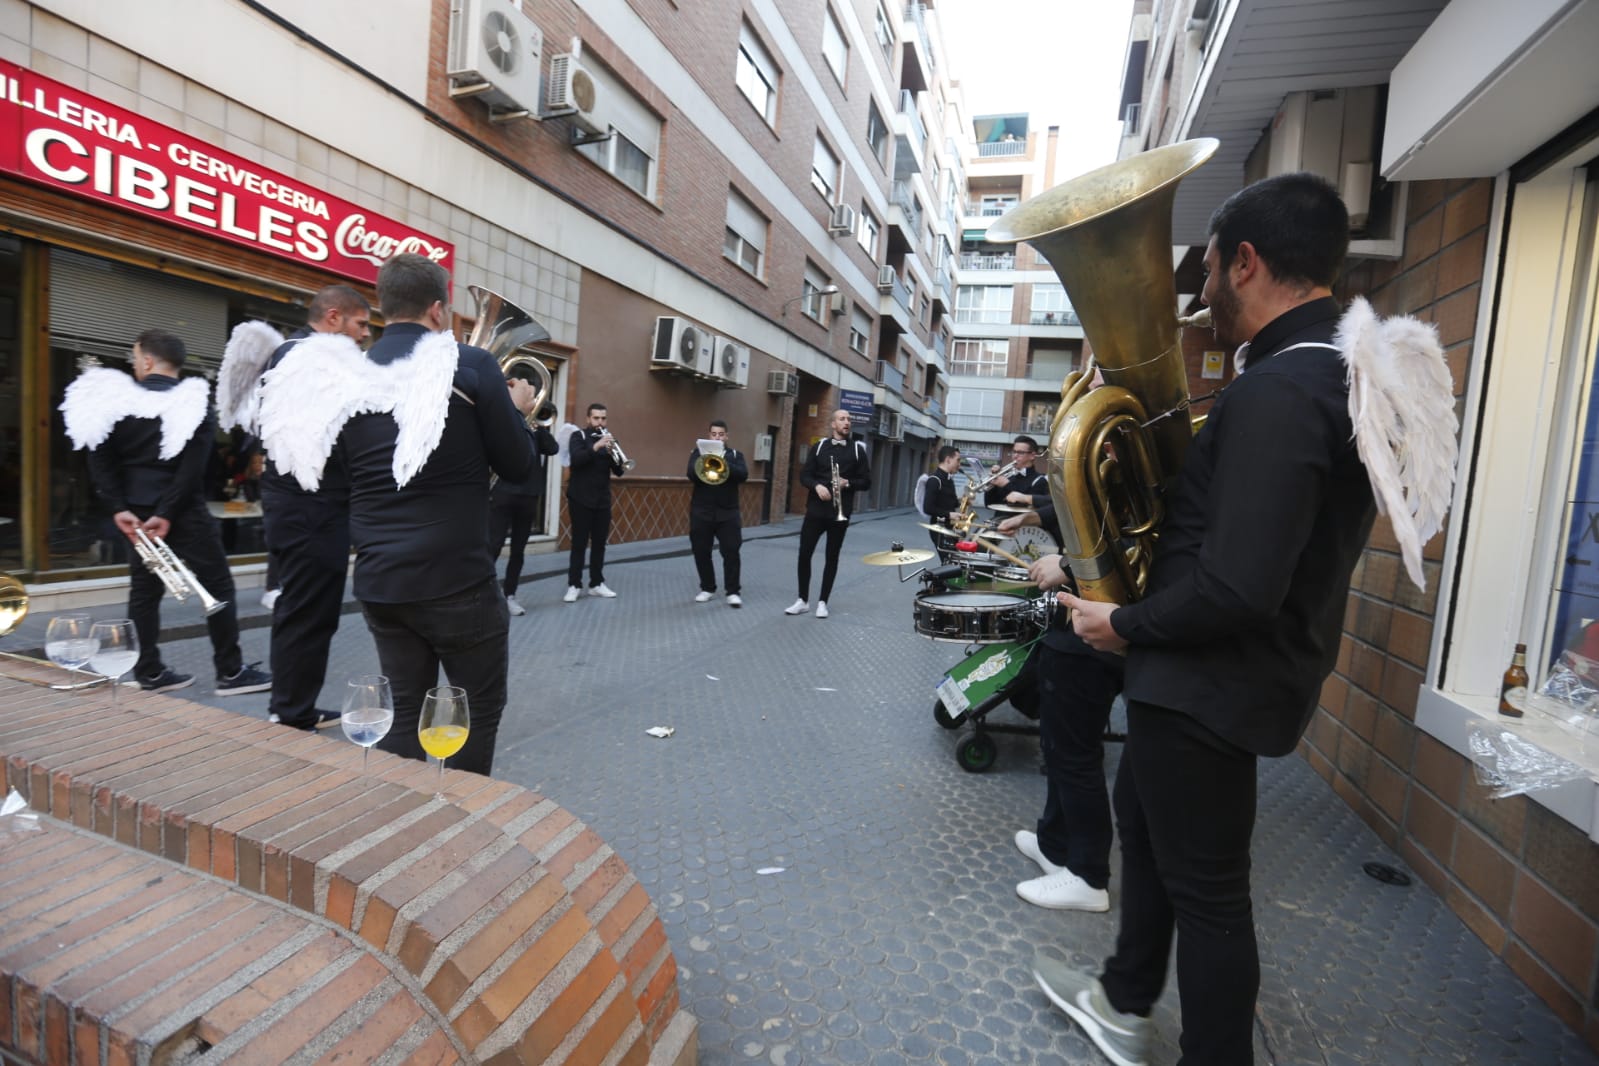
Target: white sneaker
514,607
797,607
602,591
572,593
269,598
703,596
734,600
1063,891
821,608
1027,844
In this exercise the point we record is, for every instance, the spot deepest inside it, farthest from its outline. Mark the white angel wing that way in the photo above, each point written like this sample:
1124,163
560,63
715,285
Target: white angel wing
305,401
563,437
1401,401
245,357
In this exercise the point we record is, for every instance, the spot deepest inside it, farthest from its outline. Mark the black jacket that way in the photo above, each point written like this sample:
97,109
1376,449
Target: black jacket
430,538
544,446
130,475
854,465
1241,621
939,499
335,485
590,482
1033,482
720,501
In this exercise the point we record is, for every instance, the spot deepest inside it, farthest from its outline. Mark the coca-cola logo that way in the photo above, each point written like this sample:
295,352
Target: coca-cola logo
358,241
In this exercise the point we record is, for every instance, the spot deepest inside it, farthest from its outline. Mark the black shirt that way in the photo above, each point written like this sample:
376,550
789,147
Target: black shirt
1241,621
430,538
544,446
130,475
939,500
590,482
854,466
1029,481
719,501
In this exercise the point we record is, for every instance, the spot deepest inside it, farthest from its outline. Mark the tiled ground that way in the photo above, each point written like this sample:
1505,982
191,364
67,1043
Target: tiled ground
837,890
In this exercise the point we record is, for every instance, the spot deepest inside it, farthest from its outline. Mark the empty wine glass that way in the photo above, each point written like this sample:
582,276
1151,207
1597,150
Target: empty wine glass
67,641
116,650
444,724
368,712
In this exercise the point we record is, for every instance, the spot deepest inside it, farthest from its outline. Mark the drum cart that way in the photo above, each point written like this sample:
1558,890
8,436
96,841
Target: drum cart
990,675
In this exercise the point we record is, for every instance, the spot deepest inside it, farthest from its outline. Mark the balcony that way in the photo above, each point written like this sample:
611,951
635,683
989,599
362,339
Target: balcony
941,287
904,219
889,376
920,65
993,423
1002,149
1055,318
894,307
982,316
979,261
990,208
935,408
910,138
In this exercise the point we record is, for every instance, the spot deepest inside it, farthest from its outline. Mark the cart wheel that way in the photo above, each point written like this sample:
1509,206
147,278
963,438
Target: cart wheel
976,753
942,716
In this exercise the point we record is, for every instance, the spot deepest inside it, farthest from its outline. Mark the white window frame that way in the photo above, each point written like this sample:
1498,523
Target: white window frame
875,123
868,230
835,46
812,305
860,330
756,74
632,125
970,358
827,172
883,29
745,234
984,304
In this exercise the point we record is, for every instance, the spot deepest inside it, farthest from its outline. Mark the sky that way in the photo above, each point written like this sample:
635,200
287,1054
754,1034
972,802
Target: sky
1060,61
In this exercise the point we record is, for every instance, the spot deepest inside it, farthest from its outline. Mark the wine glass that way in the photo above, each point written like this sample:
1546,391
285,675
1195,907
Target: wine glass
67,641
444,724
368,712
116,650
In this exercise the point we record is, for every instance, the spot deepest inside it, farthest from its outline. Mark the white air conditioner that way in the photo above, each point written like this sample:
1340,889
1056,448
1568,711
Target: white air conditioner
494,55
731,365
782,383
574,94
886,277
842,221
681,345
893,425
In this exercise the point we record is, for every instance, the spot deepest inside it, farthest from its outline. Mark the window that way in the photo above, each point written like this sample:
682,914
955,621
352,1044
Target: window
860,330
814,303
1051,308
876,132
866,230
757,74
629,154
988,304
979,359
1038,416
975,409
824,169
834,48
745,239
921,308
885,35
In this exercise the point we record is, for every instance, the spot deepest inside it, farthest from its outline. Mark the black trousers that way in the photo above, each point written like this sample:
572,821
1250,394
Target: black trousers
726,532
195,538
590,527
515,515
466,634
810,533
1185,807
1075,694
310,538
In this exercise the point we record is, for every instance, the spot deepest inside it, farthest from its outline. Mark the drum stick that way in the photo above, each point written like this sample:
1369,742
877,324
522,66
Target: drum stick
990,546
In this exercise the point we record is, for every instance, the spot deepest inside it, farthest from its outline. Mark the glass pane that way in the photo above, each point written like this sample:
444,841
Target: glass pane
632,166
1577,587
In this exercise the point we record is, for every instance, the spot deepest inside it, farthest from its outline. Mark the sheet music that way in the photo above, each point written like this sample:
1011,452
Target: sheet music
711,447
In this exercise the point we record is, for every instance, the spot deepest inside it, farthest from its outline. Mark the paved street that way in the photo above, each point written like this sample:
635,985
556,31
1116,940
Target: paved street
838,890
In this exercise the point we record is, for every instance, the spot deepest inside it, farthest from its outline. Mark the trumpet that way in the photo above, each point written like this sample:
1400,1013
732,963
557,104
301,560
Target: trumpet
837,488
619,458
164,563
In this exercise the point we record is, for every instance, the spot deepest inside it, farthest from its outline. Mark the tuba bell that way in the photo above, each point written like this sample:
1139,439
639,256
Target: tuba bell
1114,451
502,329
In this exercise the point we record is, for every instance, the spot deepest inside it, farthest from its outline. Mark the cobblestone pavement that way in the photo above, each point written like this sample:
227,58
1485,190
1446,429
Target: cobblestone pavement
837,890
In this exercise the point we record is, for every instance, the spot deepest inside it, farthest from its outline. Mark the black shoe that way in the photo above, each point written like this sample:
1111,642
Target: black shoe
166,681
324,720
248,679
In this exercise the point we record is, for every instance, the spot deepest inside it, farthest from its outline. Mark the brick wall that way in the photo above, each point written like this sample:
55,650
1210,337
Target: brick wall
1524,879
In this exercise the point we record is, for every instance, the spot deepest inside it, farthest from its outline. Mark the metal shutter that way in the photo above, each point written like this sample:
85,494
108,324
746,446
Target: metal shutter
98,306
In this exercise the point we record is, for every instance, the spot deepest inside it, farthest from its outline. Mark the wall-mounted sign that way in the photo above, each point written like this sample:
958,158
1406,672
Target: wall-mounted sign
54,135
858,404
1213,364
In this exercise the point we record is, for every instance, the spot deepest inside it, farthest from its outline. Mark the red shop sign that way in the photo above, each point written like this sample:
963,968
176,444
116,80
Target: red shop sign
55,135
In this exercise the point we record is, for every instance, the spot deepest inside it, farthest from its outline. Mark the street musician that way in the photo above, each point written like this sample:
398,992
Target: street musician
837,458
713,513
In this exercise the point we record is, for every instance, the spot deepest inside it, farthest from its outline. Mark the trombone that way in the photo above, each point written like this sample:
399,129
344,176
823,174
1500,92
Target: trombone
164,563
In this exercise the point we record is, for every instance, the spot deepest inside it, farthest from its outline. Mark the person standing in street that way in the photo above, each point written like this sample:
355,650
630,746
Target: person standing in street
940,501
149,437
588,502
713,515
515,507
837,462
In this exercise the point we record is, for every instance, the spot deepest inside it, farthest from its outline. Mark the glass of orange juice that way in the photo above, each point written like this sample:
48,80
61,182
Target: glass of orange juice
444,724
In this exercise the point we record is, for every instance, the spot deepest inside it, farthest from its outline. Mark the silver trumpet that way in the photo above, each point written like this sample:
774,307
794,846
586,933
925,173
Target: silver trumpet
619,458
164,563
837,489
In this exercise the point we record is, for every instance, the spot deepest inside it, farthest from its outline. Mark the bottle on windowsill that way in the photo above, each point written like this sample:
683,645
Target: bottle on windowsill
1513,689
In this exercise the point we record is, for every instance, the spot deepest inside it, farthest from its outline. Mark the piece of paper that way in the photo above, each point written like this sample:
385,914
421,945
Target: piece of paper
711,447
661,731
764,870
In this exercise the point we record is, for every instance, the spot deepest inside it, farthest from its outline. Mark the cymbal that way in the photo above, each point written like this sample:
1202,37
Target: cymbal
898,558
1008,509
940,530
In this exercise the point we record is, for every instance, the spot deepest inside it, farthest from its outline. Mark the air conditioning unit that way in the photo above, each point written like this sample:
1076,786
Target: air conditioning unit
842,221
681,345
494,55
782,383
886,277
731,365
574,94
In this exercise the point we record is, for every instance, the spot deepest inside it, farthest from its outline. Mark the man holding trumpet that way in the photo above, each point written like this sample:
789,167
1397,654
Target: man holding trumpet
148,440
835,470
595,460
716,472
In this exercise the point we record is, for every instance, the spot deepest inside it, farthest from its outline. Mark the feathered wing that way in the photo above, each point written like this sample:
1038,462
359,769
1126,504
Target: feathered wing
306,399
1401,401
101,397
421,384
563,438
245,357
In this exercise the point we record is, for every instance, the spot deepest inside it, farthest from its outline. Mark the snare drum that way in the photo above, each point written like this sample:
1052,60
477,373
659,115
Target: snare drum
973,617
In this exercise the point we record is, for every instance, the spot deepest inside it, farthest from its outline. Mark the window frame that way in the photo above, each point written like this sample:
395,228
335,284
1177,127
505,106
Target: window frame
830,23
830,190
811,304
753,63
972,357
864,222
857,313
877,126
740,242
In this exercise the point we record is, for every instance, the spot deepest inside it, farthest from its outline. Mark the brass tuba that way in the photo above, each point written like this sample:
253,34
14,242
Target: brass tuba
1107,234
501,329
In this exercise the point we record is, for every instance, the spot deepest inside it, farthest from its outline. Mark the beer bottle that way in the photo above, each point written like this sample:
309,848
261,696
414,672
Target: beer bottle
1513,689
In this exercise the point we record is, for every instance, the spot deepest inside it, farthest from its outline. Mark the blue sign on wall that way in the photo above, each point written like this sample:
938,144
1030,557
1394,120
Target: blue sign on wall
858,404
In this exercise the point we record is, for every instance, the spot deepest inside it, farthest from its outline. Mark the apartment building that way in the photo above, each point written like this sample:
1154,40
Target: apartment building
1014,335
1464,138
719,210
